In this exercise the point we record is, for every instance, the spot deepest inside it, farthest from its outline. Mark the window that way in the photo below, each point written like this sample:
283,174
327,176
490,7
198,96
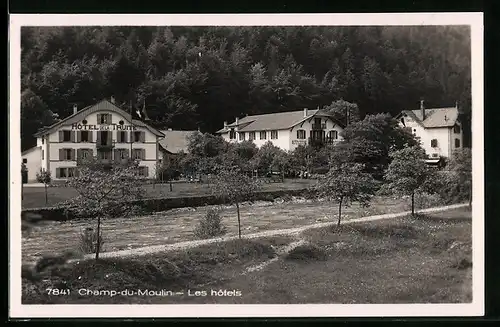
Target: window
137,136
251,136
67,154
317,121
301,134
65,172
122,137
43,155
242,136
84,136
232,134
274,135
434,143
263,135
71,172
104,119
457,143
456,129
138,154
333,135
25,160
85,153
66,136
122,154
43,140
435,155
105,138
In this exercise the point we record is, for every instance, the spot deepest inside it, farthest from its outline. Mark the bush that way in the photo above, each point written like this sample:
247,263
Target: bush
88,241
210,225
307,252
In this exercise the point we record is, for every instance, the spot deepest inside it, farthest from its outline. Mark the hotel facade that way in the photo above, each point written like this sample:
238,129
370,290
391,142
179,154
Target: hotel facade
286,130
102,130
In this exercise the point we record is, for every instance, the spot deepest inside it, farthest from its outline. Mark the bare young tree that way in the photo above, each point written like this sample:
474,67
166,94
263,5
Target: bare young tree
233,185
104,192
346,183
44,177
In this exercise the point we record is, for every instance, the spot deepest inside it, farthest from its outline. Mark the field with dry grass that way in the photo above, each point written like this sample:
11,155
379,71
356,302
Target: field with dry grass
178,224
424,259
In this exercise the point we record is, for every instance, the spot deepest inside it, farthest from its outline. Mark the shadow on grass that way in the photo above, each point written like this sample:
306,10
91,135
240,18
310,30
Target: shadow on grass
181,269
306,253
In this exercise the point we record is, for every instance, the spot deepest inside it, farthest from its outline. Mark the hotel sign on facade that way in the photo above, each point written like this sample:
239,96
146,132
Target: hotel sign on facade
109,127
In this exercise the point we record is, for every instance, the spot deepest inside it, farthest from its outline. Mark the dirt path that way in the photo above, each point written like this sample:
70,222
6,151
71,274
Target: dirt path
288,231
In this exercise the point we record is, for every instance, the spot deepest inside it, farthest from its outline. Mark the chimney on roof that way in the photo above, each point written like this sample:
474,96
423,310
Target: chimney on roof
305,112
225,124
422,108
112,100
237,120
75,109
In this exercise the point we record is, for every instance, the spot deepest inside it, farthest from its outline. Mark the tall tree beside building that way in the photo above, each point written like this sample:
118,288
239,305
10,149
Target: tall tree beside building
408,174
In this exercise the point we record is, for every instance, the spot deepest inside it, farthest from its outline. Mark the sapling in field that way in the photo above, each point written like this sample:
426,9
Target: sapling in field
346,183
233,185
104,192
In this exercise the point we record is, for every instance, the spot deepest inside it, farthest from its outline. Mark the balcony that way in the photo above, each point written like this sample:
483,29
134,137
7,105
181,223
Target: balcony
318,126
105,145
313,141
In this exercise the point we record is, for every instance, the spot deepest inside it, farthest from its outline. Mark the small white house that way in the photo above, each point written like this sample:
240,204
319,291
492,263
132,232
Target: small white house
439,129
31,159
286,130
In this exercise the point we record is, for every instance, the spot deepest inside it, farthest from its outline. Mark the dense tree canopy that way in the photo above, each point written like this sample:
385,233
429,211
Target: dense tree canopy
192,77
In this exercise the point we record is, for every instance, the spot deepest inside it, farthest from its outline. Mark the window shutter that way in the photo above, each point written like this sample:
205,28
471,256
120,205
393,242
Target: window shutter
61,136
127,153
124,139
116,154
99,118
73,136
109,121
79,155
110,137
143,137
90,136
143,154
58,172
146,172
119,137
78,136
61,154
73,154
98,137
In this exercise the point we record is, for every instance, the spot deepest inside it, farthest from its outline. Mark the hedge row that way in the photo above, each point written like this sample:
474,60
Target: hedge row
163,204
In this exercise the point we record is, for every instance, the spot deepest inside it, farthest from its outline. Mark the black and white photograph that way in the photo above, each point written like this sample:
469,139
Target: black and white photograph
291,165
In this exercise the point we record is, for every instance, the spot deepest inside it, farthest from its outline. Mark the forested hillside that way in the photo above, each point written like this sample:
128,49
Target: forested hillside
192,77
